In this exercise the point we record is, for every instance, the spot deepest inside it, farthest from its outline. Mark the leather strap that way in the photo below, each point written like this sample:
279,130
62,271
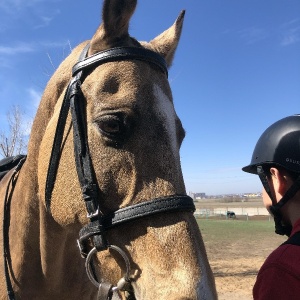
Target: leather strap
293,240
121,53
105,291
5,228
84,166
59,133
7,163
173,203
160,205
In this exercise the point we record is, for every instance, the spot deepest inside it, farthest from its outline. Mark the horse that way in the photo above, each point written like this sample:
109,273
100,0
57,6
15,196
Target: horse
98,210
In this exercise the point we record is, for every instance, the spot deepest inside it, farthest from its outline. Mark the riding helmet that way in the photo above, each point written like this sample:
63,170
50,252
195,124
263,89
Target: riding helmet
278,145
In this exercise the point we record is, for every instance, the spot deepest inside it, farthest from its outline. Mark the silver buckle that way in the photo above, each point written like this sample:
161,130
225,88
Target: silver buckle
93,215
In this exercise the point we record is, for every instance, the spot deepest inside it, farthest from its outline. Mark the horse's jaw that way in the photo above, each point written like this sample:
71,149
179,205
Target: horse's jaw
174,267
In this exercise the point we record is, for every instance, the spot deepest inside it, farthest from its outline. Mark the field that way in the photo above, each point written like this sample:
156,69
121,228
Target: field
236,249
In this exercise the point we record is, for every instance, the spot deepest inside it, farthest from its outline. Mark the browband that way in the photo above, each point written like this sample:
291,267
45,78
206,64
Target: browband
121,53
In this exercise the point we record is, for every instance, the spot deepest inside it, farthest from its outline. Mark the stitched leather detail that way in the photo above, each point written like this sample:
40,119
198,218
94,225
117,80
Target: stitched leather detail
156,206
159,205
122,53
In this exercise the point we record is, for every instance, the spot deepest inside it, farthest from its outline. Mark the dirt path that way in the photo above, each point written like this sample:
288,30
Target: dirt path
236,254
235,277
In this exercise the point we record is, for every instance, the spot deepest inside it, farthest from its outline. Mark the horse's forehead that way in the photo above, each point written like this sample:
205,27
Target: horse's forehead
127,83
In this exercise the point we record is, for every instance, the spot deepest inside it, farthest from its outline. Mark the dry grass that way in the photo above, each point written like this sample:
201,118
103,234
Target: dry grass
221,202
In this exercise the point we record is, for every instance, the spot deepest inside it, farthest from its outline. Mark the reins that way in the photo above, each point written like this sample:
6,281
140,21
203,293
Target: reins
5,227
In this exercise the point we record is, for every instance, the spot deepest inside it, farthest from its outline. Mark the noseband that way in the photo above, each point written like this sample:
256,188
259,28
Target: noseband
94,232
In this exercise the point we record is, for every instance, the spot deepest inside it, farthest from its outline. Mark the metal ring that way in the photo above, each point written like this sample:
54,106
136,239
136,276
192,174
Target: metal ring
89,271
88,268
125,258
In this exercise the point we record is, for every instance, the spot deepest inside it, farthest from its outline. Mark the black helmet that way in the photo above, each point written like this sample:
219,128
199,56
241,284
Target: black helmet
278,145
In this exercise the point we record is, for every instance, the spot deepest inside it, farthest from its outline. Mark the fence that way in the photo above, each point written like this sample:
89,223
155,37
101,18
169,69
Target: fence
241,213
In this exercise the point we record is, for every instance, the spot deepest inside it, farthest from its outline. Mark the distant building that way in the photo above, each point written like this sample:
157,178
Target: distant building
197,196
252,195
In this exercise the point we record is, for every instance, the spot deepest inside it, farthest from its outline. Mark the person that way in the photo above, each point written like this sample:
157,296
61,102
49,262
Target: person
276,160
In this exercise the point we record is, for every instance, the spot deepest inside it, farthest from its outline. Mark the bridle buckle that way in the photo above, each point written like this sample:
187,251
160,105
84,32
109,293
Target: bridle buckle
93,214
81,249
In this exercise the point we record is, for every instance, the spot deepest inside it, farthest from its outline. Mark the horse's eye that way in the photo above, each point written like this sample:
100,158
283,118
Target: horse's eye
110,125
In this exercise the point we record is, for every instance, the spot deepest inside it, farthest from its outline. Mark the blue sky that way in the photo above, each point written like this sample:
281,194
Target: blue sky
236,71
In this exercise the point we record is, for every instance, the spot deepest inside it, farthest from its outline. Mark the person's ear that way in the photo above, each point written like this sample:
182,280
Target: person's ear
280,182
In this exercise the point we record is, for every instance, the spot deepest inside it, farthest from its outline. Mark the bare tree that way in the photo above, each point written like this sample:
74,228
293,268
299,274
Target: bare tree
13,141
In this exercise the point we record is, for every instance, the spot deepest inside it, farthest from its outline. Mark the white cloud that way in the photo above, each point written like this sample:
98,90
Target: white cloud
9,53
32,103
21,48
290,39
40,12
253,35
45,20
17,49
10,6
35,97
57,44
290,32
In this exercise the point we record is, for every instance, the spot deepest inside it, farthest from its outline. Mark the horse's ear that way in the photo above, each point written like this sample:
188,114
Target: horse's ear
166,43
116,15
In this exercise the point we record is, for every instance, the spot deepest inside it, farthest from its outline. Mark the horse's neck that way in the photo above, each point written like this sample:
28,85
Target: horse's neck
44,256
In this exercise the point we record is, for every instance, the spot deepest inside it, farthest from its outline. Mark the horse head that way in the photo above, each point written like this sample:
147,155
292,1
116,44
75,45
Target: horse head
127,124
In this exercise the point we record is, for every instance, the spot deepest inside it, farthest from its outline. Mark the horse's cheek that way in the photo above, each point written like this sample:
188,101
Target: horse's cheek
66,205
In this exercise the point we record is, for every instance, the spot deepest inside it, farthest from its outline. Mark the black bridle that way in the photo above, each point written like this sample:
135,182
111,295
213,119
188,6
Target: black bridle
94,232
